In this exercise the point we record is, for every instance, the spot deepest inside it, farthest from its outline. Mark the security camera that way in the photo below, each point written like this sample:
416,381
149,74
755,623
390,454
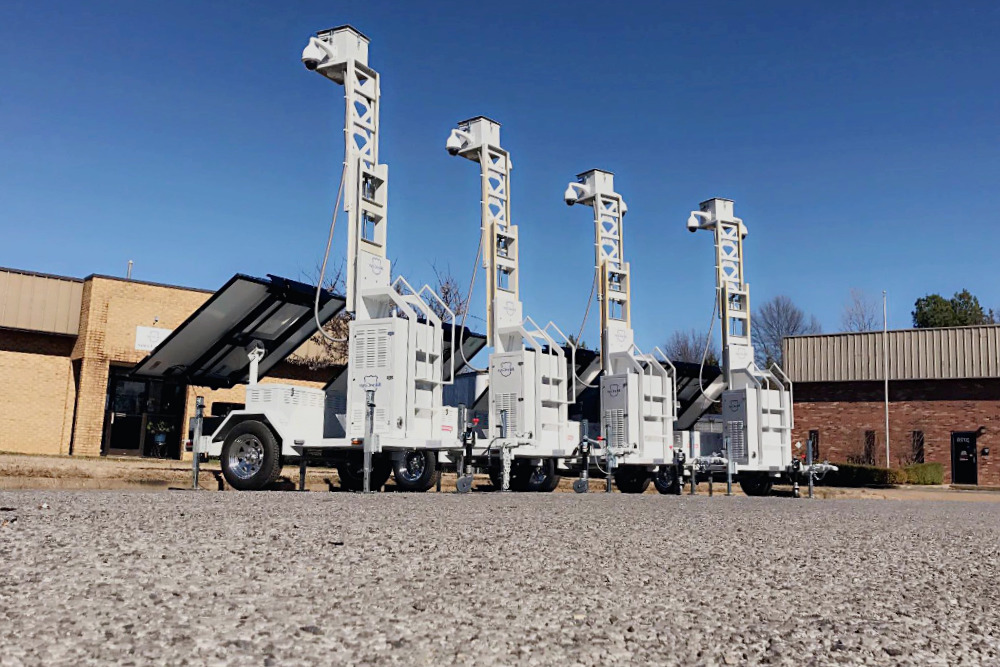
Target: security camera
570,195
692,224
315,53
457,140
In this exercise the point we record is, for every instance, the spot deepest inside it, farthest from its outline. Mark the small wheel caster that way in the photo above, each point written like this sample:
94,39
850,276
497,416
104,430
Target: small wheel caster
581,485
463,484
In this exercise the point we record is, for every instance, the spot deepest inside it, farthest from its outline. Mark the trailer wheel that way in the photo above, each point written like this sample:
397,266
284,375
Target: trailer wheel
250,457
530,478
632,479
416,471
666,481
352,472
756,485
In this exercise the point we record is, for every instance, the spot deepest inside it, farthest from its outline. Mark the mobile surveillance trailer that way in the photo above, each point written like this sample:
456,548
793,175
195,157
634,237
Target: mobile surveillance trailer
391,407
756,404
528,428
637,398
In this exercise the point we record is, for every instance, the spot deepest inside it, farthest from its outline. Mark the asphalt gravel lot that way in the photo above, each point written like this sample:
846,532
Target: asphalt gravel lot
488,579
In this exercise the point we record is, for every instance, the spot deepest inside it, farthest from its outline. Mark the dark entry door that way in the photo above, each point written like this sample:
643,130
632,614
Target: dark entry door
964,469
144,417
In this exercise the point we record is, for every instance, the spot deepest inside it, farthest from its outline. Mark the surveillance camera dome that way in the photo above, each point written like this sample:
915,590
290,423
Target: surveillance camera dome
692,224
454,143
310,63
570,195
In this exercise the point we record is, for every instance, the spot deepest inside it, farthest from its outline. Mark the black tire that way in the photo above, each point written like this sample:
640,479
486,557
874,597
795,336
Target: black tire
352,472
667,481
525,477
251,458
756,485
632,479
416,470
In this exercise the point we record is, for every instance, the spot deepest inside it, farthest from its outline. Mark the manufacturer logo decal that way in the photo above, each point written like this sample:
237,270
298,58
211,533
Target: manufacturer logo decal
734,406
371,382
620,336
509,308
376,266
615,389
506,368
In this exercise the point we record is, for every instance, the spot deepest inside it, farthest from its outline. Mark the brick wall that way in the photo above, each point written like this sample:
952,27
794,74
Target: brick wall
37,392
111,311
843,411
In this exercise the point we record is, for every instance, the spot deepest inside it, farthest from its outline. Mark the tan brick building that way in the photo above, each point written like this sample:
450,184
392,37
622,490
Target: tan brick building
66,346
944,398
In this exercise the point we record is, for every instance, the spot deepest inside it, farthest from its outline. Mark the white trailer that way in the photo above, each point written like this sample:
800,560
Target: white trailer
389,416
756,406
528,428
638,402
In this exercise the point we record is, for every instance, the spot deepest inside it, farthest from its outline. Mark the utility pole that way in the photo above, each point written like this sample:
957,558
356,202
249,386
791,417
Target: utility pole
885,359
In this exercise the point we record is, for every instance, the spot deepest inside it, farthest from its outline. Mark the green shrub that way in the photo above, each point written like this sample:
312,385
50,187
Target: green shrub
924,473
852,474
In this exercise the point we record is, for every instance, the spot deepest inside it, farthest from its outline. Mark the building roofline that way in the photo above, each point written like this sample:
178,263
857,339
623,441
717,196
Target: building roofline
879,331
37,274
147,282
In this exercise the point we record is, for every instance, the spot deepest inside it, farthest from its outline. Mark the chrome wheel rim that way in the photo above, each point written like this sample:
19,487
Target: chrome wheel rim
413,466
246,456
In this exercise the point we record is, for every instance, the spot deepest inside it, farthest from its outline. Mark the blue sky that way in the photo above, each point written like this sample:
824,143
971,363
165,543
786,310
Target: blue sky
860,143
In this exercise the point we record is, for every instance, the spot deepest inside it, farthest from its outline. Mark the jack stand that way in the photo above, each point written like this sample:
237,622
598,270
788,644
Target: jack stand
729,468
199,416
612,464
506,457
464,482
711,488
796,469
582,485
369,435
302,466
694,478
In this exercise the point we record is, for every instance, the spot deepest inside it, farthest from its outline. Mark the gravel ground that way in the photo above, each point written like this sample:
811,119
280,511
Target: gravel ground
286,578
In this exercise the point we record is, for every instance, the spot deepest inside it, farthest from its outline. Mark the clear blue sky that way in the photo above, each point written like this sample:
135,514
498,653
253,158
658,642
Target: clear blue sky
861,144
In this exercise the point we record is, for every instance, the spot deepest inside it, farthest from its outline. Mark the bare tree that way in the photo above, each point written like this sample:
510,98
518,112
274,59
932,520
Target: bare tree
860,312
323,351
774,320
451,292
689,346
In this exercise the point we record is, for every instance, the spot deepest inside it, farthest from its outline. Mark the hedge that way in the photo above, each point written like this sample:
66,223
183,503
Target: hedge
924,473
852,474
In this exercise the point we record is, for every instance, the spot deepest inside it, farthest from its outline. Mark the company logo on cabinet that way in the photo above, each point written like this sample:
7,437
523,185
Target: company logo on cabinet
510,308
614,389
147,338
371,382
733,406
620,335
376,265
506,368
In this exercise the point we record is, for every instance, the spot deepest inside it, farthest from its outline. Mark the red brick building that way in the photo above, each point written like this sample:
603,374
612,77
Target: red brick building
944,398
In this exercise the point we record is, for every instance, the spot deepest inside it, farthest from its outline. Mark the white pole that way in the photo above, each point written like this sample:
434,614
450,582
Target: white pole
885,356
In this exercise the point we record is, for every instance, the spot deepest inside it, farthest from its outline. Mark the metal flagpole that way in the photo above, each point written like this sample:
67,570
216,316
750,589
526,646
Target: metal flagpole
885,357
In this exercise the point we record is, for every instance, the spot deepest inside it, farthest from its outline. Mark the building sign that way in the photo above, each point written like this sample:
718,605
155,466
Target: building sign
147,338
